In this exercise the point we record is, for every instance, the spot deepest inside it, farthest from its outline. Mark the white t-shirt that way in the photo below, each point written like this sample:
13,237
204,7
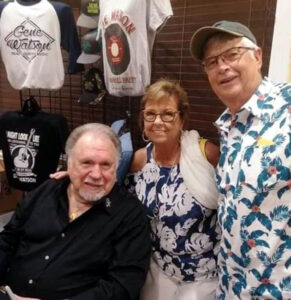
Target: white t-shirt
128,31
30,45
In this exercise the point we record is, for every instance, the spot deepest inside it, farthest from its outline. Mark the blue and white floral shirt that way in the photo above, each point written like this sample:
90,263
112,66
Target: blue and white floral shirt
254,182
184,232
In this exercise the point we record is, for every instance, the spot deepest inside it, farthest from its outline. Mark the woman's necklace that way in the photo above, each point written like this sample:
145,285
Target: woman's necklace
173,164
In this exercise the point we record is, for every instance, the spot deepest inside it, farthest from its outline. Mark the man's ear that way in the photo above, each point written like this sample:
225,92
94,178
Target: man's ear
258,56
69,162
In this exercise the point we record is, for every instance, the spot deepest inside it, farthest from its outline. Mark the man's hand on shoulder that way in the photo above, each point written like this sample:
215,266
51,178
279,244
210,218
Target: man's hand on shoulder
59,175
16,297
23,298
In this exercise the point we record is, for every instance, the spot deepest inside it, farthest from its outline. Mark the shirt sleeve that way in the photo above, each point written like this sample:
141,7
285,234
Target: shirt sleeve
2,5
69,36
11,235
128,269
160,11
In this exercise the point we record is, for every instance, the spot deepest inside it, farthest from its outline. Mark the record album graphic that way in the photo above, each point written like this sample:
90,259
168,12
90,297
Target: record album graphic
117,49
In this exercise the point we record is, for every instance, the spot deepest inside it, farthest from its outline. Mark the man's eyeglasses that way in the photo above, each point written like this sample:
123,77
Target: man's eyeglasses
229,56
166,116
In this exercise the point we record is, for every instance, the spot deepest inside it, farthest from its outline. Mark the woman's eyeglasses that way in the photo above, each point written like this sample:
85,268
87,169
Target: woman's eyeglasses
166,116
229,56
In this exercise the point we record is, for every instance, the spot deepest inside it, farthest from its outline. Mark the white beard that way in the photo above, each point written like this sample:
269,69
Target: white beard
91,196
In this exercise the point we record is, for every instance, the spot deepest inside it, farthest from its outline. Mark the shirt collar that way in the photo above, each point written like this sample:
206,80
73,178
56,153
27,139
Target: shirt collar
263,99
261,102
108,202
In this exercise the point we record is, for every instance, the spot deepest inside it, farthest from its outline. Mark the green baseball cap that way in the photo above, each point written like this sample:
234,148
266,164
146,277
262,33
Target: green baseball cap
203,34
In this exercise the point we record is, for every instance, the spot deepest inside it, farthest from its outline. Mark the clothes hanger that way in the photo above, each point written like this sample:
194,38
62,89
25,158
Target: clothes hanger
28,2
30,106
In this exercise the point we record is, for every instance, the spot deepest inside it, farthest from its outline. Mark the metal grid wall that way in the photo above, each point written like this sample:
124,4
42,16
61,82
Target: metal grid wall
171,59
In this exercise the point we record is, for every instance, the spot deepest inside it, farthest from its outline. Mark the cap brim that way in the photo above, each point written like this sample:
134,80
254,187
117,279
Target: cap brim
85,58
201,36
87,22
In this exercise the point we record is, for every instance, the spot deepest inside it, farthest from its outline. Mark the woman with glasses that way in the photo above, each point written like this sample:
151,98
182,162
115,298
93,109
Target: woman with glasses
173,176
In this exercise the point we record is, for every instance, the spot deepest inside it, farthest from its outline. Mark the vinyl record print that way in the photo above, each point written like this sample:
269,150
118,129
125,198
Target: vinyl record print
117,49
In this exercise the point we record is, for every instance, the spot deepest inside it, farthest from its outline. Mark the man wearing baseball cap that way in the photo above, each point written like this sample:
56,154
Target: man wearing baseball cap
253,174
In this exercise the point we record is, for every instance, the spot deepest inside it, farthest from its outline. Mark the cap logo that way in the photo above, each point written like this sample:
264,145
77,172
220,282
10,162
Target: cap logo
86,46
89,85
218,25
92,8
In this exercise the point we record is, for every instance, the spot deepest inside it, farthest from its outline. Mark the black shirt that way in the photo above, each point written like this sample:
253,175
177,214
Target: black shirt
103,254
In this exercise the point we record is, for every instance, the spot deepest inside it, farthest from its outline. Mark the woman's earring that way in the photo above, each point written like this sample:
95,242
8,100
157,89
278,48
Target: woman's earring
181,133
144,137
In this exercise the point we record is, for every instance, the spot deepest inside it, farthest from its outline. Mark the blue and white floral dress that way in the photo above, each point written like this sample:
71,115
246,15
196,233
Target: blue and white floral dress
184,232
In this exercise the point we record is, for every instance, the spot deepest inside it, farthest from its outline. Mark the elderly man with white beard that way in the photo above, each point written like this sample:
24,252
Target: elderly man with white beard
81,237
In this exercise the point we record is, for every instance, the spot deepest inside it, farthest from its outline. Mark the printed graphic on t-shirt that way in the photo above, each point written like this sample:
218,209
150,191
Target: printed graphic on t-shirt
118,27
128,30
118,52
23,151
29,41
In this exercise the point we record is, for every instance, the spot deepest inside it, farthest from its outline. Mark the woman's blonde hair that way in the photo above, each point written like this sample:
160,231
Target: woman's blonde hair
162,90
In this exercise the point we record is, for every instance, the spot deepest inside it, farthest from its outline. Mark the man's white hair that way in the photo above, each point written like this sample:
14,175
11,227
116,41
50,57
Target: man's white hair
248,43
97,129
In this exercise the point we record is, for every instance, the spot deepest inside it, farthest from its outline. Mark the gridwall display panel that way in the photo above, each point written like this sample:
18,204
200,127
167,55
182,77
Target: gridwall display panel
170,59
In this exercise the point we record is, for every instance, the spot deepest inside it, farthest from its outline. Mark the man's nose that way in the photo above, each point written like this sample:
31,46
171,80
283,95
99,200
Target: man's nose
221,63
96,171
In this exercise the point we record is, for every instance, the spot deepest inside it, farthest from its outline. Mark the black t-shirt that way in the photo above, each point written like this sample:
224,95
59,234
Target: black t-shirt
31,146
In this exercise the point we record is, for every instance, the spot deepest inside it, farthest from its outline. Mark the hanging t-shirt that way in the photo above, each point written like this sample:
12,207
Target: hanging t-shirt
31,37
31,146
128,30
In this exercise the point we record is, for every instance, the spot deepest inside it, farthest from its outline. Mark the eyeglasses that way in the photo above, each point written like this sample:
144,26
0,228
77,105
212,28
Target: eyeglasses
229,56
166,116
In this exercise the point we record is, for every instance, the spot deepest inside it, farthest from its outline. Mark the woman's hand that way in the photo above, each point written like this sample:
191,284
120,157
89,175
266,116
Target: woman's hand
59,175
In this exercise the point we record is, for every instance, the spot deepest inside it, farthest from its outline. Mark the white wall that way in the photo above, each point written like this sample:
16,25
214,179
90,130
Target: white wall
280,63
